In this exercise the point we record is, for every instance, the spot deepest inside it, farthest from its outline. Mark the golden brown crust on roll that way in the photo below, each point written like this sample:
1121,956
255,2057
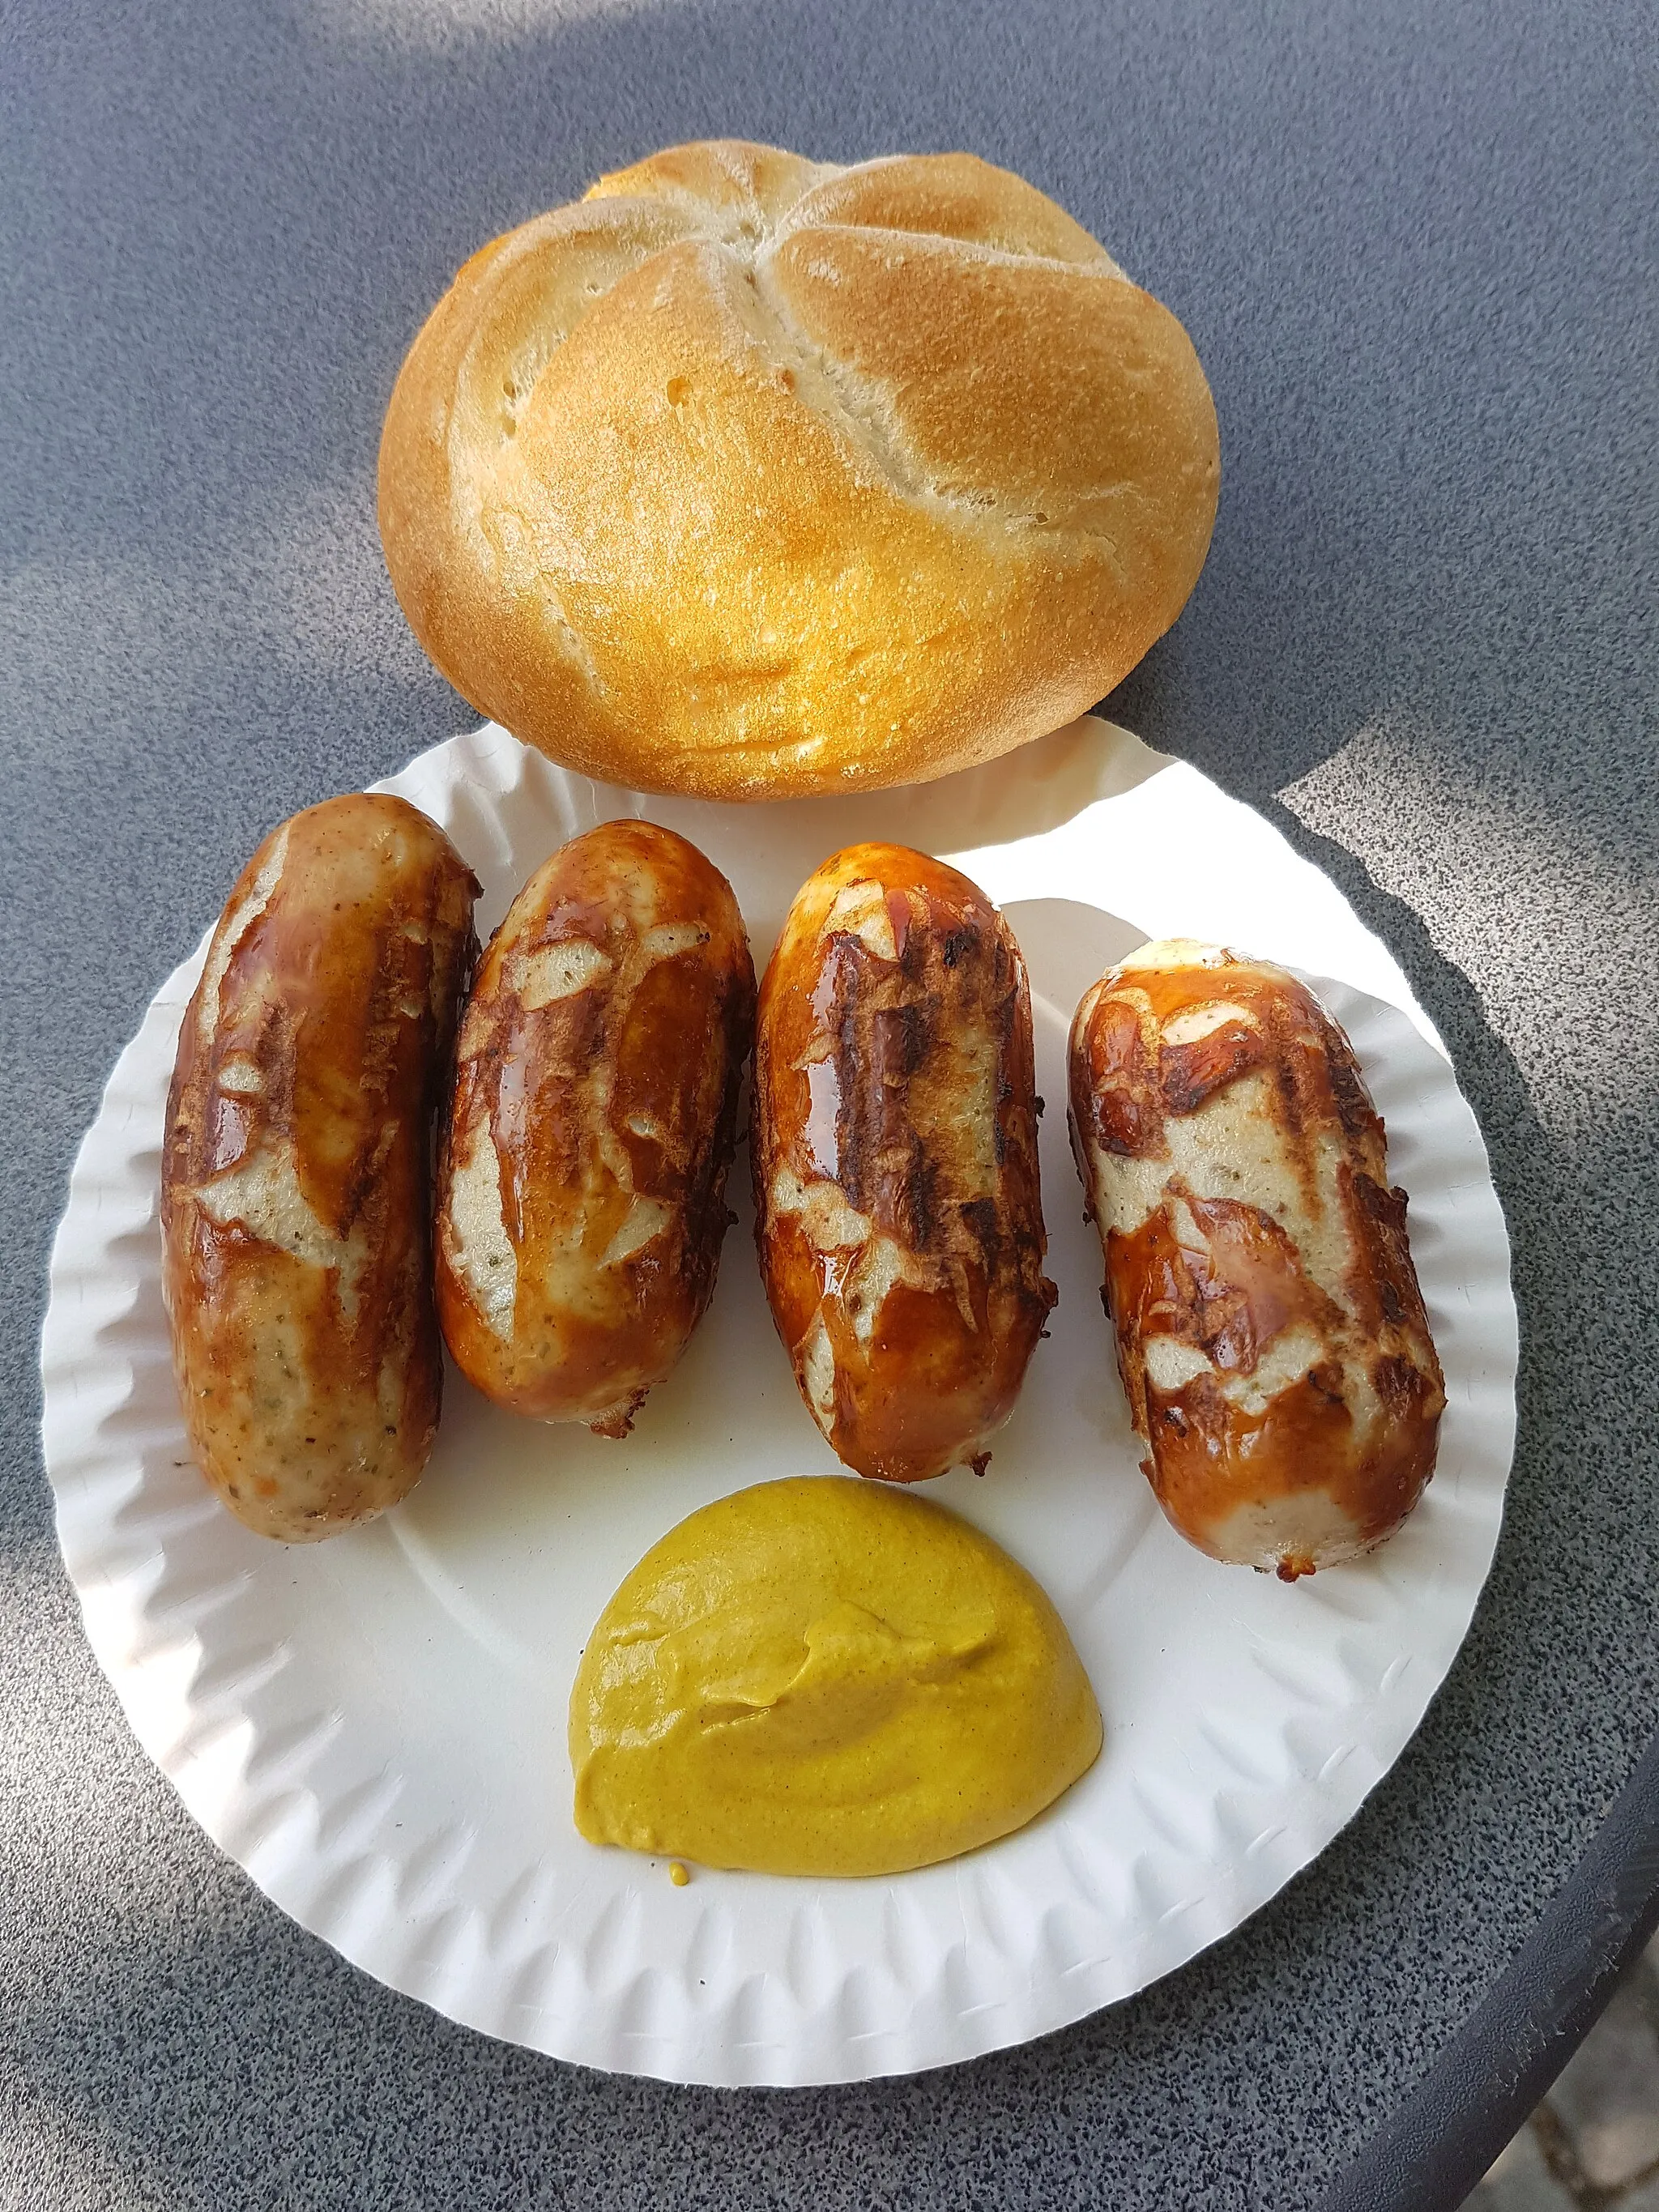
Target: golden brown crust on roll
893,1144
582,1198
295,1184
1271,1333
748,475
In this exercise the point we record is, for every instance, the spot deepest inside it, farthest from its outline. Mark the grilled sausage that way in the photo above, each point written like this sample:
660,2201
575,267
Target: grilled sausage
894,1151
296,1178
1271,1334
582,1178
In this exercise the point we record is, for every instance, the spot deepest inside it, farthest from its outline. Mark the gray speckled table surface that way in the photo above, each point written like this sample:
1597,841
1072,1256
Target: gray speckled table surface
1412,241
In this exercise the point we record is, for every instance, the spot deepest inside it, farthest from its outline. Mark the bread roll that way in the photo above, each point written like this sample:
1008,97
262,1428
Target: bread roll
748,475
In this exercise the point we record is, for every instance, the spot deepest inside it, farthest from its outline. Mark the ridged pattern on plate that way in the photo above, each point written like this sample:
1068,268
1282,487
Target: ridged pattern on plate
374,1727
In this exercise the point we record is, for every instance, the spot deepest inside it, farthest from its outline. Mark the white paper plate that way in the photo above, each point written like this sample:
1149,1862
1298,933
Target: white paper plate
374,1727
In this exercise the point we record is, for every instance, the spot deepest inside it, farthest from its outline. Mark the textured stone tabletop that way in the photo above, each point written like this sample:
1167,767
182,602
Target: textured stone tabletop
1413,240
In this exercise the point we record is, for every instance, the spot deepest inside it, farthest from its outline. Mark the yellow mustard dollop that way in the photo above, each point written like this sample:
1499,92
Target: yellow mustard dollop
825,1676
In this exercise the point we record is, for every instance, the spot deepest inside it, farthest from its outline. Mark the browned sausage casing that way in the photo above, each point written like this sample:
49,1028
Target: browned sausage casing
894,1150
1271,1333
582,1178
295,1182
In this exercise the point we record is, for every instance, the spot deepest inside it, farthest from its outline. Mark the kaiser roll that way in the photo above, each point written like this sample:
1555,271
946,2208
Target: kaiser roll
748,475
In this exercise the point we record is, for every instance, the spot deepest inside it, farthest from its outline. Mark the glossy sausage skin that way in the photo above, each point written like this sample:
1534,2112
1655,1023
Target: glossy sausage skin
582,1177
894,1150
1271,1334
296,1189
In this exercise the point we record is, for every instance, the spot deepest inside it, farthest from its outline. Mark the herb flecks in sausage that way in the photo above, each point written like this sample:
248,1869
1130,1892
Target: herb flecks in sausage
1270,1334
295,1203
582,1179
894,1152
